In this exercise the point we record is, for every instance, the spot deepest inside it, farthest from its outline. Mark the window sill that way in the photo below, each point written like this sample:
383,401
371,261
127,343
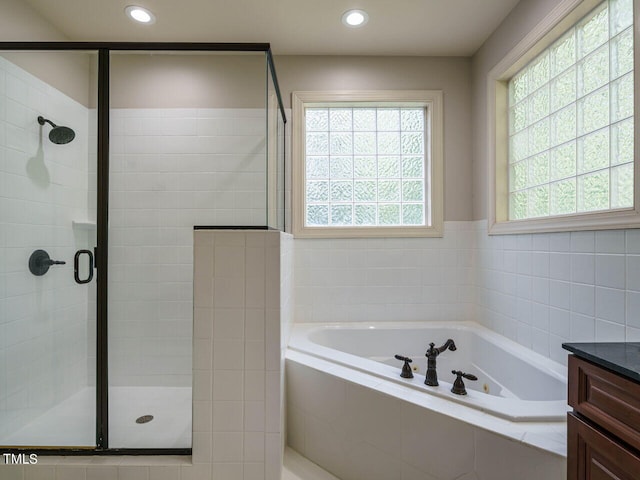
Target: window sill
366,232
608,220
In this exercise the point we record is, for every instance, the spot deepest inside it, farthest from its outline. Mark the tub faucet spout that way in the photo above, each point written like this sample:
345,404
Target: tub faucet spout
431,378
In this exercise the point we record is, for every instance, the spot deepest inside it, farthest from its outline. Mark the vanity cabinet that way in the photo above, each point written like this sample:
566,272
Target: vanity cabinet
603,439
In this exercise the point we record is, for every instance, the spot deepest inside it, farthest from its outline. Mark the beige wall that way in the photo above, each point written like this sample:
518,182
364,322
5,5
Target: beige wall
20,22
68,72
449,74
188,81
522,19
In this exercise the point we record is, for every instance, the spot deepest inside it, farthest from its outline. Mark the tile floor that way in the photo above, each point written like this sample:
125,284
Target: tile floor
297,467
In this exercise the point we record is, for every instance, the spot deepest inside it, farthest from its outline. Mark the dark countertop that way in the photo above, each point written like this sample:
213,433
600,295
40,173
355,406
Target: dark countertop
621,357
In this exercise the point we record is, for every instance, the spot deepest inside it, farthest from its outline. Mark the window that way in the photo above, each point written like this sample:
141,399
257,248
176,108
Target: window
367,164
567,159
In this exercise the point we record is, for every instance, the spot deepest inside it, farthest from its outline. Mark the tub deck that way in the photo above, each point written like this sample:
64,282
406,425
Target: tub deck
514,383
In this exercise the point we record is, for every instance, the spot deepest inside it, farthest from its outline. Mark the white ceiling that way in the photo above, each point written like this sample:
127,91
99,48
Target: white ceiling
293,27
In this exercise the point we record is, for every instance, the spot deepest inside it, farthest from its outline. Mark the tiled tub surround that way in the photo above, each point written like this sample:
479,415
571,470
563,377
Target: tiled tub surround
403,279
358,419
537,289
357,427
545,289
44,321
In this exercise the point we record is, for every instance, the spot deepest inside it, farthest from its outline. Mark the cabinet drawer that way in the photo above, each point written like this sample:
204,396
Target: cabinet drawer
593,455
605,398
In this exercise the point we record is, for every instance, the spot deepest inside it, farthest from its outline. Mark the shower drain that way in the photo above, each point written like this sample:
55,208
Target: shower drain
144,419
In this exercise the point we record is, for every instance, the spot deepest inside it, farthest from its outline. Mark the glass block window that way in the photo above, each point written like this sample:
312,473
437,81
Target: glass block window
571,120
365,166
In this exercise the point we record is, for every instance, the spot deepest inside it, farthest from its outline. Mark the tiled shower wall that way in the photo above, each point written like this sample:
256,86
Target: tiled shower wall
544,289
43,190
390,279
172,169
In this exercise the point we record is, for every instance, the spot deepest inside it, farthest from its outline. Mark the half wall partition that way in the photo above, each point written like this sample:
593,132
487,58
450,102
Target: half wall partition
96,352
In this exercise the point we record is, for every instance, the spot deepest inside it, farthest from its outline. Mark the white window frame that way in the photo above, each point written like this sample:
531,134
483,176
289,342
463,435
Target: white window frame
431,99
551,28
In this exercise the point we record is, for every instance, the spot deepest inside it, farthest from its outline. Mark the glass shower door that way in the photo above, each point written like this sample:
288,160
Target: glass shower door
47,227
187,149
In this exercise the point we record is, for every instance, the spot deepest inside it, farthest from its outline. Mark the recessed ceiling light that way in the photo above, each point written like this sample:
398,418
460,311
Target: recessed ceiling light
140,14
355,18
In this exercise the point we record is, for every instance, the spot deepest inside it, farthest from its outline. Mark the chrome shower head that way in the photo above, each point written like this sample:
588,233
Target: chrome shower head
59,135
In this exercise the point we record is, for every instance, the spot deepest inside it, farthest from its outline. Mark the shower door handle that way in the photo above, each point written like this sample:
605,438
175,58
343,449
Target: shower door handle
76,265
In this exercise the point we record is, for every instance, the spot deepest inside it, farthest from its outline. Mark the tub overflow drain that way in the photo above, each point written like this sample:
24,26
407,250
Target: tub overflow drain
144,419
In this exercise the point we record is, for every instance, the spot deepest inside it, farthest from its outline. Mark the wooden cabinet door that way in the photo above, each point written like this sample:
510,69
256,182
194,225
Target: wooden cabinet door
592,455
606,399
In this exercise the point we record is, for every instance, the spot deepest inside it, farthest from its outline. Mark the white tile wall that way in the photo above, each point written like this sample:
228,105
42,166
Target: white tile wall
241,294
388,279
287,286
582,286
44,321
172,169
540,290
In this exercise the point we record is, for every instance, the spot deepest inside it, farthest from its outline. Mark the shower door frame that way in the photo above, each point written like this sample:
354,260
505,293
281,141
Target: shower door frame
101,249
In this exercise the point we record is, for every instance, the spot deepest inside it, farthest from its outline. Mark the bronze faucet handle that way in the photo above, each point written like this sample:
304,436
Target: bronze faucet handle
468,376
406,369
458,385
403,359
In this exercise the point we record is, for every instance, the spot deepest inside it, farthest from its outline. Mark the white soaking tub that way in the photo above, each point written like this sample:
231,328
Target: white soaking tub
349,411
513,382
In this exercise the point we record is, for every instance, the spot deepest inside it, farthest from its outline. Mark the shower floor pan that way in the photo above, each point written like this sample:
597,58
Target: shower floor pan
72,422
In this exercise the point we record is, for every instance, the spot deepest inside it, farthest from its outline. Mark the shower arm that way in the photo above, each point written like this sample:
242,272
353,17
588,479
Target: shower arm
42,120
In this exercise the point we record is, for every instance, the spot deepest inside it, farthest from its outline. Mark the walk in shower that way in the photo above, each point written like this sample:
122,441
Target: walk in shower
110,156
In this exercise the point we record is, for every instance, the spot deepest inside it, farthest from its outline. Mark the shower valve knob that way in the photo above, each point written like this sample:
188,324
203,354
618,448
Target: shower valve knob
39,262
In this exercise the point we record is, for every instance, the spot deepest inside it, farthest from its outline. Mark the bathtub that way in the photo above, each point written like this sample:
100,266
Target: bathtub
349,411
513,383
